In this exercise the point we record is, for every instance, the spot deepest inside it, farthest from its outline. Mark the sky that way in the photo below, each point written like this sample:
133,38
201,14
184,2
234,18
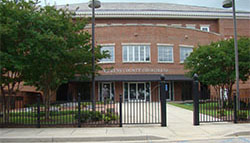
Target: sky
240,4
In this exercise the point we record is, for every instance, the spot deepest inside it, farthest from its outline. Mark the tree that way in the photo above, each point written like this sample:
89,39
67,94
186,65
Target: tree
43,47
61,51
215,63
15,35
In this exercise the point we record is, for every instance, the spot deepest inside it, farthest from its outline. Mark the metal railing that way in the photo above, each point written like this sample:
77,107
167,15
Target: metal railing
79,113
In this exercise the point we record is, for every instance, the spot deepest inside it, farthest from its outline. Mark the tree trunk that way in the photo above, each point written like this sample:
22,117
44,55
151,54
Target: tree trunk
229,95
4,102
47,104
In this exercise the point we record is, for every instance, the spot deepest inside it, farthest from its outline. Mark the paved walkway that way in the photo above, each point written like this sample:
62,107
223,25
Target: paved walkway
180,128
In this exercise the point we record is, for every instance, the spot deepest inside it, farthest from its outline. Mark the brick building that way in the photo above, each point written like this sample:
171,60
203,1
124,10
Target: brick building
146,40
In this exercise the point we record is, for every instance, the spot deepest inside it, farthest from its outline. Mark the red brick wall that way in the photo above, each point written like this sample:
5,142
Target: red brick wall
153,35
226,27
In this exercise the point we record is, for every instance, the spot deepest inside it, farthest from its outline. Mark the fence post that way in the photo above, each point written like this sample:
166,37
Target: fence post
38,125
79,110
120,104
196,100
235,109
163,102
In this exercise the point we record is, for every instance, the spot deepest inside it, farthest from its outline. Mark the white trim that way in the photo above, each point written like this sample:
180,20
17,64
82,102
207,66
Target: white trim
191,26
136,44
186,46
163,44
176,25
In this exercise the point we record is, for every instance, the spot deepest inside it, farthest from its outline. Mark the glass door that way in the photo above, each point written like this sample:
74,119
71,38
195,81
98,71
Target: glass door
141,92
132,91
107,91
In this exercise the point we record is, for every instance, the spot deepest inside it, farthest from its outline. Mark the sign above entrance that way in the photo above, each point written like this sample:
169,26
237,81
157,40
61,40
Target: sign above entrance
135,70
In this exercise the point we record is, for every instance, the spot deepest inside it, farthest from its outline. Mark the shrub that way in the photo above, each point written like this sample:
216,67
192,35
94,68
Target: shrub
221,113
242,115
88,116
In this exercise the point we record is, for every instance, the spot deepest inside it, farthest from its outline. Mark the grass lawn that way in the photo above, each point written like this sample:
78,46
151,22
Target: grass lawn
211,109
182,105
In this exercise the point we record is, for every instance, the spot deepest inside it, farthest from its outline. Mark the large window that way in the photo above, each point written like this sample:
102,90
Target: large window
185,52
136,53
136,91
165,54
110,50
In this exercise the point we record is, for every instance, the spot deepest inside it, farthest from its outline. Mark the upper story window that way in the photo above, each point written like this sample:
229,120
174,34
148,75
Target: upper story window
185,51
165,53
205,28
110,49
136,53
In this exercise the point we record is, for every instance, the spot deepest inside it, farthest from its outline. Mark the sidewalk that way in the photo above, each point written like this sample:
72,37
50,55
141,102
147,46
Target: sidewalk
180,128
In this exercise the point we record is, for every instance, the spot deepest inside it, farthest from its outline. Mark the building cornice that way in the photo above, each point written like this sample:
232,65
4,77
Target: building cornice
164,14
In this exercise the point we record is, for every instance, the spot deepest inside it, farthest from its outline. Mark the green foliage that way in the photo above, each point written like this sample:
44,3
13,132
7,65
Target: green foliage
221,113
93,116
88,116
16,34
43,46
242,115
215,63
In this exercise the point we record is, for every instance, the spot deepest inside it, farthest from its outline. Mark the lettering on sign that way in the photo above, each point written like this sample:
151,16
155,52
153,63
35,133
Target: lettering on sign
135,70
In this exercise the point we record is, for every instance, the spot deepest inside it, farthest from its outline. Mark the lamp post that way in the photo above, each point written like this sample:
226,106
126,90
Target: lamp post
93,4
229,4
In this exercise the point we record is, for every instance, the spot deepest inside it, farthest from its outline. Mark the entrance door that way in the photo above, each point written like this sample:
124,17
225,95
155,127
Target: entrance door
132,91
106,91
137,91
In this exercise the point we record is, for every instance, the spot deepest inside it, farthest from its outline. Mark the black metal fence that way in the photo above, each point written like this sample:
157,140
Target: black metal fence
141,112
82,113
79,113
222,109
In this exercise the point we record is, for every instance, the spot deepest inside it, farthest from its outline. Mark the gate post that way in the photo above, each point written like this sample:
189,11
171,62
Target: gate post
79,110
163,102
235,109
38,124
120,110
196,101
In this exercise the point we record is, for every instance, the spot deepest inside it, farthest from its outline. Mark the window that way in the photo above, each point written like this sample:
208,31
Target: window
185,52
165,54
110,51
136,53
205,28
136,91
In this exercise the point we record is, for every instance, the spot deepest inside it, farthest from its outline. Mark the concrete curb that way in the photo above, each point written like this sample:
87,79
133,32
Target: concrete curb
82,139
